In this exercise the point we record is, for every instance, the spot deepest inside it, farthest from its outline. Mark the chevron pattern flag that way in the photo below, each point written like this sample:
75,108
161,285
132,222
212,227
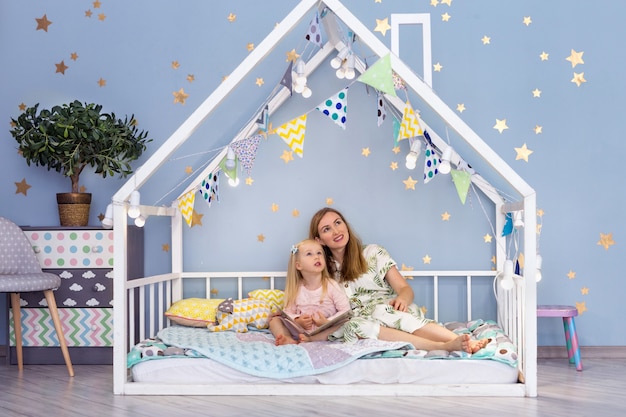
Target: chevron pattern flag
409,127
246,149
87,327
209,190
462,182
293,134
335,107
185,204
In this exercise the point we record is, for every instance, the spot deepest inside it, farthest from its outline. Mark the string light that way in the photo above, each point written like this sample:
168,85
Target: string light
134,210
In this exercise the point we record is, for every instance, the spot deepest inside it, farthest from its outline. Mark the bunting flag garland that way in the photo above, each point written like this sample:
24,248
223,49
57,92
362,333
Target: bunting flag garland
396,131
410,127
287,80
263,119
245,150
209,190
431,163
230,172
380,76
508,225
336,108
293,134
462,182
185,204
398,83
382,112
313,34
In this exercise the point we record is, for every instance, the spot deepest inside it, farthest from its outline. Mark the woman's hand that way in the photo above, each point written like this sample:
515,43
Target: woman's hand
400,286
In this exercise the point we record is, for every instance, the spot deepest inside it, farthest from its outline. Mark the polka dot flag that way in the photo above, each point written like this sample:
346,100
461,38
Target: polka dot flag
314,35
431,163
209,190
336,108
382,113
246,149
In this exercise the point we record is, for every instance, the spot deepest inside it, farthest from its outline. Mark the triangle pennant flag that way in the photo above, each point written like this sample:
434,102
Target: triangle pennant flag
431,163
336,108
185,204
508,225
245,150
287,80
313,34
230,172
209,190
396,131
380,76
263,119
293,134
382,112
462,182
410,127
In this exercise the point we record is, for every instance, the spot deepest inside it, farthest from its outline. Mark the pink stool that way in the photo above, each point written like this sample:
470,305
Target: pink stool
567,313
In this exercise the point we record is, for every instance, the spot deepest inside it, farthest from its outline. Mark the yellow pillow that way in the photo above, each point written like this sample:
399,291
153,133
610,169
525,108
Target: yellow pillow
275,298
194,312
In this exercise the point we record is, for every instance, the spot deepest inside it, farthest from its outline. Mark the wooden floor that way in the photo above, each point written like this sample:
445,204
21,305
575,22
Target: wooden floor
47,390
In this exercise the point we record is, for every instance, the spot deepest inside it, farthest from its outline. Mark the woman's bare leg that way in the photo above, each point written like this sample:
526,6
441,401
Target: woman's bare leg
427,340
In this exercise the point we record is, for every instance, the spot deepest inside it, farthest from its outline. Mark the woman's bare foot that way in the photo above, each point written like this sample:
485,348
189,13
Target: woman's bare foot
281,339
476,345
462,342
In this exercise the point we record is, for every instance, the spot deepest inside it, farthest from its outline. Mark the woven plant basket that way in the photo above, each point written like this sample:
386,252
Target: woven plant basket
74,208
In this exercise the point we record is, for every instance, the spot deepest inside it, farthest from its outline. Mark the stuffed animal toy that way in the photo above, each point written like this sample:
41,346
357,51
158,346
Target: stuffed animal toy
236,315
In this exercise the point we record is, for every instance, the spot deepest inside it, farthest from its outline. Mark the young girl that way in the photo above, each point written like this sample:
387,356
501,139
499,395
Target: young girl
312,297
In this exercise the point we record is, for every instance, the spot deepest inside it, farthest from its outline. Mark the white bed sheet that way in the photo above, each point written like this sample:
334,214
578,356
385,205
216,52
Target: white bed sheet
181,371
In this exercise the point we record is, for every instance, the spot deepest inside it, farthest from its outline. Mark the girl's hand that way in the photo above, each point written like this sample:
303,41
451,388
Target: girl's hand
306,321
319,319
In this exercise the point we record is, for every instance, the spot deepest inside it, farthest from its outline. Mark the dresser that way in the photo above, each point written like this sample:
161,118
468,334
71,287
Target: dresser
83,258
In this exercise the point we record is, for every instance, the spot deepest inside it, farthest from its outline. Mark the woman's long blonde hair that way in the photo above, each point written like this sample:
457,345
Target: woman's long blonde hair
354,264
294,276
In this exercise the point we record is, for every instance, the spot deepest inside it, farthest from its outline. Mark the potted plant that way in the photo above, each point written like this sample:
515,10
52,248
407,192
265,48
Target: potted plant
68,138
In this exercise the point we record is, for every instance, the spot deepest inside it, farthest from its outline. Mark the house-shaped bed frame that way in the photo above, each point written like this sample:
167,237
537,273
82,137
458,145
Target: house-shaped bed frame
525,325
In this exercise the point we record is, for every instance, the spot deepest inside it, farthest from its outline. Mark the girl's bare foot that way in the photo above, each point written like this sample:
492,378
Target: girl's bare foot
303,338
281,339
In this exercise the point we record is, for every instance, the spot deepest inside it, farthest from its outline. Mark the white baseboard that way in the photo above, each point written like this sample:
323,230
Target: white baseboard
591,352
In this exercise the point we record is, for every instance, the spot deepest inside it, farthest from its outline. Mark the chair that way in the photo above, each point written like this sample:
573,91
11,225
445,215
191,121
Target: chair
20,272
567,313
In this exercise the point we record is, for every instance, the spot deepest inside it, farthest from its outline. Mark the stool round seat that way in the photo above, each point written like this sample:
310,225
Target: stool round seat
29,282
556,311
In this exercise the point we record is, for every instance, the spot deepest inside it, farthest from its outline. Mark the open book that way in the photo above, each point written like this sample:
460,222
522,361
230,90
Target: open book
295,327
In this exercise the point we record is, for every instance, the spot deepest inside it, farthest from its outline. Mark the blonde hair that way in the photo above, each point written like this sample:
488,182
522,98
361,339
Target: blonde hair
354,264
294,276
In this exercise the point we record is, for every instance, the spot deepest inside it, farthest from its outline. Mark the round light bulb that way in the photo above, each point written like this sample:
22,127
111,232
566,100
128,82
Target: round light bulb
350,74
134,210
306,93
140,221
507,275
299,88
233,182
411,160
340,73
301,79
336,62
107,221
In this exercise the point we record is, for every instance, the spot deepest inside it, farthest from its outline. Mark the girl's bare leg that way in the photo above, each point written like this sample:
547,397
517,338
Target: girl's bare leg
280,332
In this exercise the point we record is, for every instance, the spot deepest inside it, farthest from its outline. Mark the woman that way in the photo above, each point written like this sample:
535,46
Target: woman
381,299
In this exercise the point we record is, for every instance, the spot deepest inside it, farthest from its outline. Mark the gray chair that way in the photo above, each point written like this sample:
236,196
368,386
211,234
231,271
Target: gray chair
20,272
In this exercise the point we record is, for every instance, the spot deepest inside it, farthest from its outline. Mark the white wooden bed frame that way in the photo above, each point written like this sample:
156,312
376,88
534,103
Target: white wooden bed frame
517,309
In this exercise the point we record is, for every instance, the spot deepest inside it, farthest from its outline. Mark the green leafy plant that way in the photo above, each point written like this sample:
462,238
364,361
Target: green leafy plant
70,137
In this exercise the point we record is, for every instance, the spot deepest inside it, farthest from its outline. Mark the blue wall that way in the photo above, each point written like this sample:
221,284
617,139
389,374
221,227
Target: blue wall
574,167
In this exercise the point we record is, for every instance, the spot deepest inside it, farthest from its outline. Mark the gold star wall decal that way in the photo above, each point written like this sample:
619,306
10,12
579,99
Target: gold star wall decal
180,96
215,291
448,2
445,216
523,153
196,218
61,67
329,201
260,238
102,82
22,106
365,152
396,150
409,183
579,78
500,125
493,259
571,274
540,212
259,82
544,56
96,4
249,181
460,107
487,238
393,166
43,23
426,259
188,170
581,307
536,92
486,40
73,56
231,17
101,17
434,3
82,189
538,129
527,20
250,47
274,207
606,240
382,26
22,187
175,65
437,67
575,58
287,156
165,247
445,17
295,213
584,291
292,56
191,78
88,13
406,268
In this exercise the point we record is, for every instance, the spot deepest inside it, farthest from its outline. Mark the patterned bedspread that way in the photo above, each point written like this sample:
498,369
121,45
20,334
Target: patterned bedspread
254,352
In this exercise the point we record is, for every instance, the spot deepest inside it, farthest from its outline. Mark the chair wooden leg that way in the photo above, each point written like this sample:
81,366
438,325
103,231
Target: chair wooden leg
17,327
52,307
